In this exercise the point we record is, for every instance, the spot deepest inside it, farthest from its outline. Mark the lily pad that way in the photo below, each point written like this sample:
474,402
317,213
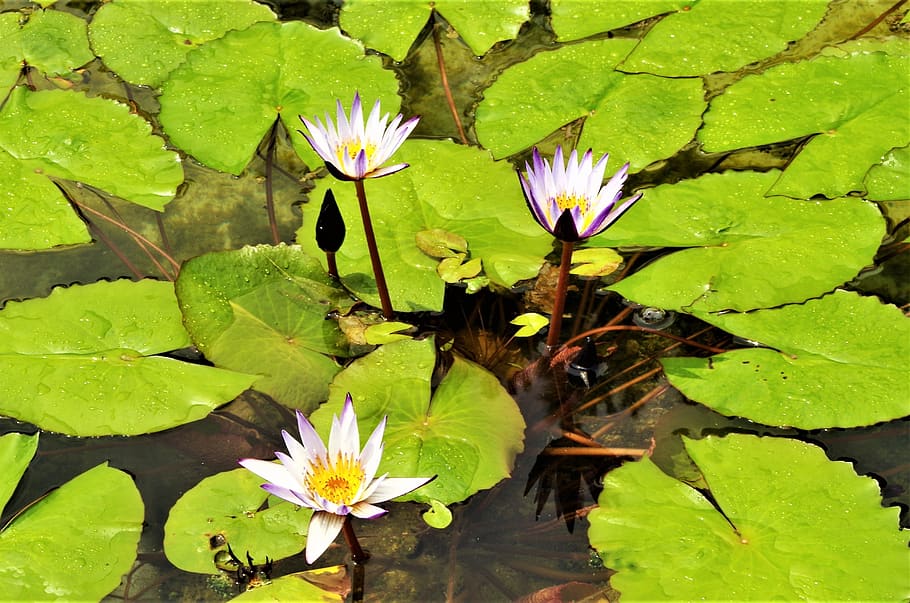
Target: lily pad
572,20
47,132
144,40
531,323
719,35
890,180
392,27
228,507
838,361
222,100
637,118
783,522
16,452
749,251
53,42
84,364
77,542
323,584
595,261
450,187
855,123
273,301
467,432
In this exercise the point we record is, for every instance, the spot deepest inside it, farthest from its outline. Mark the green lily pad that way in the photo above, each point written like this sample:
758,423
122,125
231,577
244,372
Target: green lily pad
572,19
890,180
222,100
531,323
854,122
392,27
77,542
49,133
323,584
438,516
838,361
595,261
16,452
752,251
467,433
636,118
144,40
387,332
228,506
84,366
719,35
53,42
273,301
478,199
785,523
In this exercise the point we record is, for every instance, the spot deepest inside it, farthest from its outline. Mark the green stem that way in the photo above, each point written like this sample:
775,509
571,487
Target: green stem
381,286
357,553
559,303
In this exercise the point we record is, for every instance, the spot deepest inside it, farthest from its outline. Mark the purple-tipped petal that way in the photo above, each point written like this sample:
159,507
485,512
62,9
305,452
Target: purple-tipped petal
324,528
393,487
365,510
273,473
309,438
385,171
289,495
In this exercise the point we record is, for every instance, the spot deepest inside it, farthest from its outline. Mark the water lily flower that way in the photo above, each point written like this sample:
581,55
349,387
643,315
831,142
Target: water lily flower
353,150
335,482
568,200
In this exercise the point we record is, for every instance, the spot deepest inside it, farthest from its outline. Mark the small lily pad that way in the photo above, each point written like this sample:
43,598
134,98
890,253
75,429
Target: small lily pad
438,515
439,243
531,323
387,332
325,584
455,269
595,261
783,522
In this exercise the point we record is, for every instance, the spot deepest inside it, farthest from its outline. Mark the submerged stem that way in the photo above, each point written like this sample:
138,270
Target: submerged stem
381,286
559,302
357,553
450,101
269,196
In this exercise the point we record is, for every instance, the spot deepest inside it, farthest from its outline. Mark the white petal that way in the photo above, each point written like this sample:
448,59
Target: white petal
344,437
274,473
311,440
365,510
393,487
324,528
289,495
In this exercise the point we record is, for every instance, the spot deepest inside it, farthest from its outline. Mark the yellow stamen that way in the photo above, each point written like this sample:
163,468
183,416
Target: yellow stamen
564,202
336,481
352,149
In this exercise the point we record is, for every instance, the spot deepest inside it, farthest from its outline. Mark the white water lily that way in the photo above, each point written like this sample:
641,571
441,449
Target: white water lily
336,481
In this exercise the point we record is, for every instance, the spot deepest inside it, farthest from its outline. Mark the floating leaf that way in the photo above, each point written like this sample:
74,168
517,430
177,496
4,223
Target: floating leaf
719,35
853,120
452,270
219,104
438,516
323,584
16,452
838,361
754,251
392,27
83,364
77,542
477,199
467,434
438,243
53,42
531,323
595,261
571,22
144,40
890,180
783,522
273,300
636,118
48,132
387,332
228,507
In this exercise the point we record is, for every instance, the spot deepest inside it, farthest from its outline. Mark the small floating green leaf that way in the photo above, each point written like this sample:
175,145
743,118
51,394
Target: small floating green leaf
783,523
144,40
228,507
387,332
890,180
595,261
16,452
276,300
531,323
77,542
84,366
438,515
838,361
467,433
325,584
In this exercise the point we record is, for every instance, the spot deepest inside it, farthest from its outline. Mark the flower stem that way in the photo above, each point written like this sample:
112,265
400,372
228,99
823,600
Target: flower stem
381,286
559,302
332,264
357,553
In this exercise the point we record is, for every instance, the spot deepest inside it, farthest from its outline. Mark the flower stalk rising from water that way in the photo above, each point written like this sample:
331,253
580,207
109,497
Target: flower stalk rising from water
335,481
570,201
355,150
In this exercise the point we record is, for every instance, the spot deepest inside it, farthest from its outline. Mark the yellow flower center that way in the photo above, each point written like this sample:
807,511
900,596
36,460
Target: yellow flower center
351,149
337,482
565,202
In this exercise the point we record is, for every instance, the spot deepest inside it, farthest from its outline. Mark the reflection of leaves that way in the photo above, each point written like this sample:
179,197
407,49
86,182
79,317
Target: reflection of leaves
467,432
76,542
841,363
84,364
477,199
782,522
219,104
849,103
144,40
636,118
748,251
480,24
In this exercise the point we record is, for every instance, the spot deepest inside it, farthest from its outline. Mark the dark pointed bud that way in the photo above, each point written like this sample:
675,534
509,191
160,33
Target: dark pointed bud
565,229
330,229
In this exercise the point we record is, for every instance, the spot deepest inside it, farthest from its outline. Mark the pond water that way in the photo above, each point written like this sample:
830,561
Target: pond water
526,538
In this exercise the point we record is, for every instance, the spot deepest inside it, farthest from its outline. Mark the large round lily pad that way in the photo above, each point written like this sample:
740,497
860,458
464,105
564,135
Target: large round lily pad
783,523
